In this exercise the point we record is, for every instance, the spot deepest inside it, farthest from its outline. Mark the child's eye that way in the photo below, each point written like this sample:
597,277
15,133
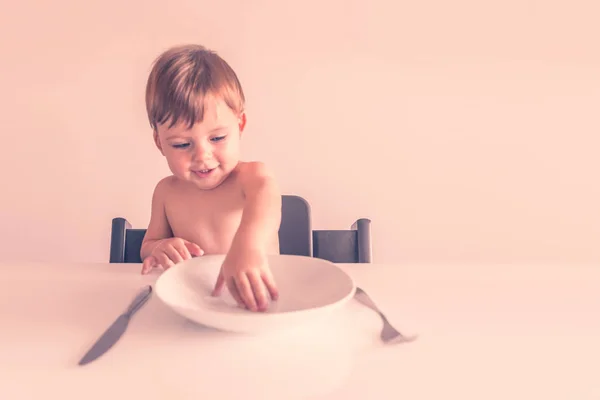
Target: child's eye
218,138
181,145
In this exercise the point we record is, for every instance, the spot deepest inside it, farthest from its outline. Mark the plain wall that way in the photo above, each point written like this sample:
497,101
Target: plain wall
466,130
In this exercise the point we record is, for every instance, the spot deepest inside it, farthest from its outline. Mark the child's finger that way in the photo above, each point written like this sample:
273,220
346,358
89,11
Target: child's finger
259,291
219,285
235,293
193,248
245,290
269,281
148,264
173,254
183,251
164,260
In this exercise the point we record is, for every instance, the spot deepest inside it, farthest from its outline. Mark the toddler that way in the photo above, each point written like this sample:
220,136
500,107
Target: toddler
213,203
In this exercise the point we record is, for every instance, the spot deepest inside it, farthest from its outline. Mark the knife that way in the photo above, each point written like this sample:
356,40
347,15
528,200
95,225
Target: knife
116,330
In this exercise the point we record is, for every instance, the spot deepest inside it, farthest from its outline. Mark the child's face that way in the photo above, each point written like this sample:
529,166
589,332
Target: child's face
207,153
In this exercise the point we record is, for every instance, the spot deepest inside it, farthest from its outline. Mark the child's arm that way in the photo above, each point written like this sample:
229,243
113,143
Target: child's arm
245,270
158,228
261,217
159,247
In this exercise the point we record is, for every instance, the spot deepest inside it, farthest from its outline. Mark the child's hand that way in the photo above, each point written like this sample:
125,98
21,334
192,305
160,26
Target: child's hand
169,252
248,278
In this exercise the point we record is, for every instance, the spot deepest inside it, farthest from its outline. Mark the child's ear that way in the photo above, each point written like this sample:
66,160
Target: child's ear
157,142
242,121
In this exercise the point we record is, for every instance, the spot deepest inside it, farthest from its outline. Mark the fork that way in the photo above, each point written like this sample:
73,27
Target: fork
389,334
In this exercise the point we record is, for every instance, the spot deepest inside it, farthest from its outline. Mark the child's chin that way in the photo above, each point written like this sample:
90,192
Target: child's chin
206,184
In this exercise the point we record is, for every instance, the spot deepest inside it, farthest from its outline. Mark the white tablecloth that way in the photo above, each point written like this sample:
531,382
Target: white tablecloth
486,332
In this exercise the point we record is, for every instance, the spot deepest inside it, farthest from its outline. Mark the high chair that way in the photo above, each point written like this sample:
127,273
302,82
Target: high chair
296,237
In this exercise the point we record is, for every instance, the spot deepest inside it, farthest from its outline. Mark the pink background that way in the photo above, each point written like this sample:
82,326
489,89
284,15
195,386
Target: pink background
466,130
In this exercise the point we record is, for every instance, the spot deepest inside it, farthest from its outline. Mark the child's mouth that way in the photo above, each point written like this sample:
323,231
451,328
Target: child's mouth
202,173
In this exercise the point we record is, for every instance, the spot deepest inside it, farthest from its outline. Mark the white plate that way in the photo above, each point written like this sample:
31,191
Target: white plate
309,288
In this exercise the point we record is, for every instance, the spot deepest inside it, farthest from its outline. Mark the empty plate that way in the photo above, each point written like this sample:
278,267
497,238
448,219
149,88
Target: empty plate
309,288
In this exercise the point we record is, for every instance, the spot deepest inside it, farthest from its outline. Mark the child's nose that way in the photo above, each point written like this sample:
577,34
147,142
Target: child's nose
202,153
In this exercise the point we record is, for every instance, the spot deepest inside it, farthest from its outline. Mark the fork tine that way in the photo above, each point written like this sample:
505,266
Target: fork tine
388,332
400,339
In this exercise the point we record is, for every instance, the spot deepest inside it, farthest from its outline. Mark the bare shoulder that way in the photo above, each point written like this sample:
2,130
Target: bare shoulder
254,170
256,176
164,186
166,183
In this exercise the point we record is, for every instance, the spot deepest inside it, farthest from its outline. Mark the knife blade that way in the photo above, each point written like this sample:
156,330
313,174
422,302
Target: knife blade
114,332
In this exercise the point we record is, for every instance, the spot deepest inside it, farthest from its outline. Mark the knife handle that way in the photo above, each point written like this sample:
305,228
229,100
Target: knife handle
139,301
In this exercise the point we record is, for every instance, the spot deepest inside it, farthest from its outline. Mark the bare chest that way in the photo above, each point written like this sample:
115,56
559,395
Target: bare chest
209,219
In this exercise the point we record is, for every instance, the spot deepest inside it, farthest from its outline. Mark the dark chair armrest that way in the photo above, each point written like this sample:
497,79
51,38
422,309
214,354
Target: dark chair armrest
117,239
363,230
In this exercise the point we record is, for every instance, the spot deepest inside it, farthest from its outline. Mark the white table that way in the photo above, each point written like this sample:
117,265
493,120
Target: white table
486,332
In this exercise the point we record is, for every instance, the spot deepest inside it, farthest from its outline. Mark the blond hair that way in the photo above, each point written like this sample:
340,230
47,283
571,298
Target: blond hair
180,80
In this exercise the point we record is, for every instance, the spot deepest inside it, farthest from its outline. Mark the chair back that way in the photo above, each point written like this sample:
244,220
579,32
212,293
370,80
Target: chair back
295,231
